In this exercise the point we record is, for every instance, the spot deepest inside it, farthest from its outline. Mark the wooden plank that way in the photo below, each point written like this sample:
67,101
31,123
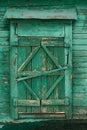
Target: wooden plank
37,13
80,99
80,76
82,11
33,103
79,59
80,23
5,97
79,82
59,91
79,53
43,78
4,42
80,65
4,56
80,102
31,91
13,82
29,67
79,70
79,47
4,33
28,41
80,30
53,102
22,90
4,108
13,36
68,72
50,80
36,64
38,28
80,41
51,57
79,89
60,115
53,87
13,71
4,48
28,59
4,81
80,110
79,36
34,41
4,65
4,23
38,73
82,17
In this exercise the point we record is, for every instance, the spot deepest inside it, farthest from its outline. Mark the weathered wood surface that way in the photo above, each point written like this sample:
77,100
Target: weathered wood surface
79,53
37,13
40,71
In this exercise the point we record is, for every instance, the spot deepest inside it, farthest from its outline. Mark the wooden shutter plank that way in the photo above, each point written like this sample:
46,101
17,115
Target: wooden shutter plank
29,103
13,82
53,87
68,72
28,59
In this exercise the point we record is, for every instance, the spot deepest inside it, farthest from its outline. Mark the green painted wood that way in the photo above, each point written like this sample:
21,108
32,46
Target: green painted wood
60,115
38,74
37,13
79,88
28,59
13,36
80,110
26,41
38,28
13,82
80,82
80,48
13,70
36,83
80,30
55,102
4,42
50,80
43,109
79,39
79,53
79,36
52,58
80,65
79,59
4,33
33,103
53,87
79,76
31,91
39,81
80,102
68,72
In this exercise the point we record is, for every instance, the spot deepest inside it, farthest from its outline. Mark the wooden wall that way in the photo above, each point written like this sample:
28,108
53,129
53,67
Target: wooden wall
79,53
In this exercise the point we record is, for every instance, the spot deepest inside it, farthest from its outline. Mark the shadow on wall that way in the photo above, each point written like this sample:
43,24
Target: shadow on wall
50,125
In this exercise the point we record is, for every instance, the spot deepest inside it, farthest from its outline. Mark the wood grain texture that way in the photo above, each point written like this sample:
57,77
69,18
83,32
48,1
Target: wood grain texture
79,51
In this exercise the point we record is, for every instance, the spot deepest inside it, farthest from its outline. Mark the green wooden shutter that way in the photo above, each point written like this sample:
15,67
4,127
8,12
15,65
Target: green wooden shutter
41,69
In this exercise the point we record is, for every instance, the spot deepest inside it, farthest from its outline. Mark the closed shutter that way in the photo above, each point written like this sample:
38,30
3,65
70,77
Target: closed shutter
41,67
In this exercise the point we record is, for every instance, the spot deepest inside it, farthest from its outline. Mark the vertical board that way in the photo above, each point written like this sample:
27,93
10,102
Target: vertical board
13,71
68,72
